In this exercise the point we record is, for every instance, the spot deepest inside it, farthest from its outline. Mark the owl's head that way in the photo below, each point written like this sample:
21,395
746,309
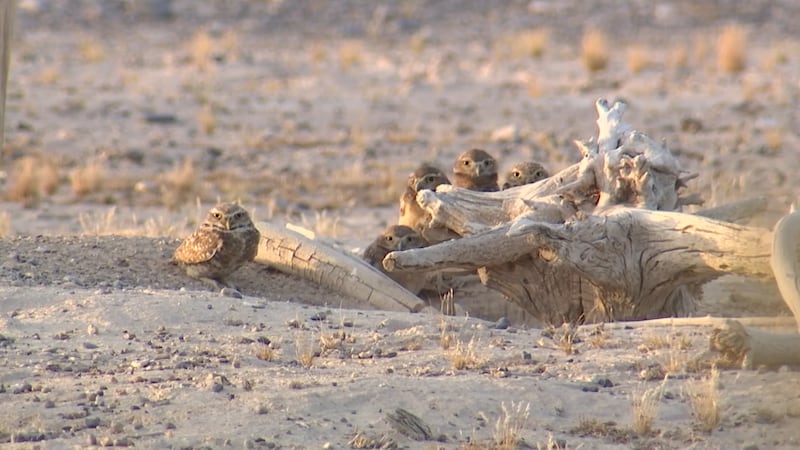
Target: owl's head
228,216
401,237
475,163
427,177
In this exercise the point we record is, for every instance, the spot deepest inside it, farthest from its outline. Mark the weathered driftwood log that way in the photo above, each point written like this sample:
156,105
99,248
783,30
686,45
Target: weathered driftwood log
296,254
754,348
596,241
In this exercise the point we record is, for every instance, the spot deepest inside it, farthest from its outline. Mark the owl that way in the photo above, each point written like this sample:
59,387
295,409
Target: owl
396,238
475,170
411,214
224,241
524,173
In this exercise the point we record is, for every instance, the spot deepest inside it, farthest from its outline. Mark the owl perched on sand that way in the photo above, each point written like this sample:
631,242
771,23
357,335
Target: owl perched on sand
524,173
475,170
224,241
396,238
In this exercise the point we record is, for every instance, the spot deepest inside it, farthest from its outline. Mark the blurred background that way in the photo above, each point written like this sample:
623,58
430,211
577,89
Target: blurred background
133,117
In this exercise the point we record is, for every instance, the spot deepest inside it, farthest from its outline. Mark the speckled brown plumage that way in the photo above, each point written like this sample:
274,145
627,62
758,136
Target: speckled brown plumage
396,238
475,170
411,214
224,241
524,173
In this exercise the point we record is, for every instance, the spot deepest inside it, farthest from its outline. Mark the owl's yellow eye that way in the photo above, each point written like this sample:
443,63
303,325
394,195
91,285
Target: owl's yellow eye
516,174
466,162
216,215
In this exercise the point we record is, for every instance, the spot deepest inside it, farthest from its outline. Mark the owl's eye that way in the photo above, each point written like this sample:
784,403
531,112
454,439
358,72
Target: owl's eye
516,174
465,162
431,179
539,173
390,238
217,215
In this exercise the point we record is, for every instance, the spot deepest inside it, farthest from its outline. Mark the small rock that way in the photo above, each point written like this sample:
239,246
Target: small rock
590,388
92,422
604,382
502,324
161,118
230,292
89,346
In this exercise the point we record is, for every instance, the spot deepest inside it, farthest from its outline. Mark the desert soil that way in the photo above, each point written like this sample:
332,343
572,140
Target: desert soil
127,120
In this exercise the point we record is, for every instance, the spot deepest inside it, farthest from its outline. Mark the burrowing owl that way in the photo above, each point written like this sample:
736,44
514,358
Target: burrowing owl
396,238
411,214
223,243
524,173
475,170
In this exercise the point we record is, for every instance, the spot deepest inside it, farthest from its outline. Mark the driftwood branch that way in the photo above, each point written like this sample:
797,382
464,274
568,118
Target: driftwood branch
295,254
603,239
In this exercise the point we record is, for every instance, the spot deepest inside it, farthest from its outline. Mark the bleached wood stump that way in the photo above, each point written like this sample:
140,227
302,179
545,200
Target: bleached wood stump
601,240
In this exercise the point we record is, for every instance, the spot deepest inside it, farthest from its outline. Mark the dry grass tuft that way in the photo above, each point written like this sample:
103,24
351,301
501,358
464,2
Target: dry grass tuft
351,53
267,353
201,48
678,57
509,425
31,179
180,185
324,223
305,352
565,337
529,43
465,355
638,58
5,224
704,400
207,120
88,179
48,75
732,49
594,51
598,337
91,50
360,441
773,138
644,403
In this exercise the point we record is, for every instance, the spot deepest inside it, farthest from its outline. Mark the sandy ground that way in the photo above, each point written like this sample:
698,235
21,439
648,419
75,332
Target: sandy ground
127,120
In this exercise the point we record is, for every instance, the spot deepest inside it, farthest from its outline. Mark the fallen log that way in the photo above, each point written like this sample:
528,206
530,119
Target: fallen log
293,253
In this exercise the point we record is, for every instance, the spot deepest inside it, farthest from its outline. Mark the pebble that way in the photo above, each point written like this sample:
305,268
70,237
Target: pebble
92,422
604,382
502,324
230,292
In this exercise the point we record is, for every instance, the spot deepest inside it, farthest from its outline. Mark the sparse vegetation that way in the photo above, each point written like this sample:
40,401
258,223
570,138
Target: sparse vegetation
201,48
509,425
88,179
644,404
465,355
180,185
529,43
32,179
638,58
704,400
594,51
732,49
91,50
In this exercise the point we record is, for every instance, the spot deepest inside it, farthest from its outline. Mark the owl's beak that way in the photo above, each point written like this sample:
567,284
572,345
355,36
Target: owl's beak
480,169
228,224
